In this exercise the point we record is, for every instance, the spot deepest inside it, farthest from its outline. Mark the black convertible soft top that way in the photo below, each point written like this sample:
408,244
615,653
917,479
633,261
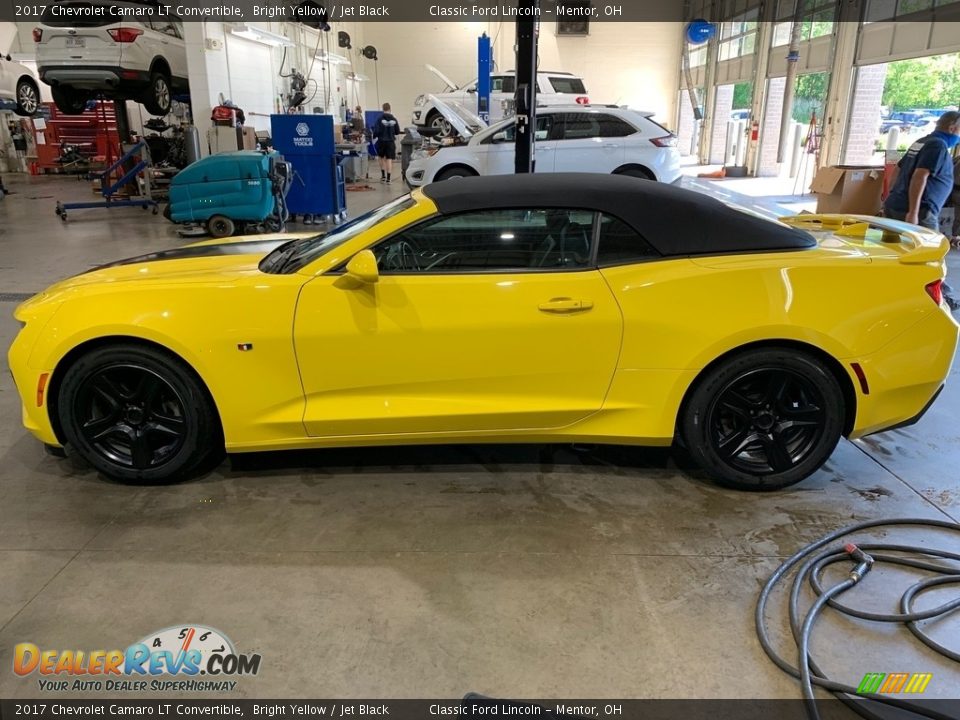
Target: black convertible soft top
674,221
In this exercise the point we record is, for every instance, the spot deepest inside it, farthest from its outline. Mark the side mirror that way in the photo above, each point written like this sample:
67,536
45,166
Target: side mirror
363,268
500,137
471,90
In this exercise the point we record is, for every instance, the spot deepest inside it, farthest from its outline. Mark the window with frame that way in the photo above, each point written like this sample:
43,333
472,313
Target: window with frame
491,241
620,244
503,84
508,133
567,85
578,126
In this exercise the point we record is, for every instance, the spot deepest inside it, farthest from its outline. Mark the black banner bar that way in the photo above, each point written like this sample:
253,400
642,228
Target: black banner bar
470,708
324,11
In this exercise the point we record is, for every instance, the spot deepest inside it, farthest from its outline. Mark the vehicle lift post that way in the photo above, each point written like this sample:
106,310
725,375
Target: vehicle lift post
484,64
526,98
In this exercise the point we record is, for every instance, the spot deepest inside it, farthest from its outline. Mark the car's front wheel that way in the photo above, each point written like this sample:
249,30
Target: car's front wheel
453,172
137,414
439,123
764,419
28,98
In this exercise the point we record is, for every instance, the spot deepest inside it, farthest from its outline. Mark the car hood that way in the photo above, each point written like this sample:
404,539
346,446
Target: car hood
198,262
462,120
451,85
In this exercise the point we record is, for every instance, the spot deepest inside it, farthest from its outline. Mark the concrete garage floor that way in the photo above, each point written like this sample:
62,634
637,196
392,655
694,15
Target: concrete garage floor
514,571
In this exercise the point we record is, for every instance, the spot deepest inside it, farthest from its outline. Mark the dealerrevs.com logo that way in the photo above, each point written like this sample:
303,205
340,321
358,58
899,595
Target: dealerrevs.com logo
181,658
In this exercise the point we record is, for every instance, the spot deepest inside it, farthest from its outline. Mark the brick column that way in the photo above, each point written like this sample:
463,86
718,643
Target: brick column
864,127
721,116
770,128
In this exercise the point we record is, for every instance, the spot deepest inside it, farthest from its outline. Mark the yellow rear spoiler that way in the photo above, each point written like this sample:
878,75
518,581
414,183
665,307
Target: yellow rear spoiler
922,245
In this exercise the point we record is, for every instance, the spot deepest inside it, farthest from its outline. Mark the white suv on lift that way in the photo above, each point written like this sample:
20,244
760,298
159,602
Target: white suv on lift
553,88
80,56
18,85
591,138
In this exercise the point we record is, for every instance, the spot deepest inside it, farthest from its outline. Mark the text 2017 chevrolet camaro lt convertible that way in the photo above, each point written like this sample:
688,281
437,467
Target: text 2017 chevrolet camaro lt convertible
554,308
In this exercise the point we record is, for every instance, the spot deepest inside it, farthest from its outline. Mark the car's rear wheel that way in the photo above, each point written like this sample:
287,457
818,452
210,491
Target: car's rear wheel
137,414
158,97
764,419
453,172
68,100
635,172
28,98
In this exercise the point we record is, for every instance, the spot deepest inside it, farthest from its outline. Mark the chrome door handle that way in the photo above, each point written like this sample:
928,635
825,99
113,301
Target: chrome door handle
565,305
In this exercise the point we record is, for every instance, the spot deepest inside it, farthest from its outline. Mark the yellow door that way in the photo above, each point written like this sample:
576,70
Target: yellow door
460,334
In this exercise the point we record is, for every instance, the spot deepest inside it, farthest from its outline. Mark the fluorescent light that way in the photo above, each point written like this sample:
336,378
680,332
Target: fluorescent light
265,37
332,58
358,77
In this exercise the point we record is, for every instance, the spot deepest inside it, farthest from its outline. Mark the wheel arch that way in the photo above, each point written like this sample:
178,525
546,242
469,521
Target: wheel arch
160,64
456,166
78,351
636,166
835,366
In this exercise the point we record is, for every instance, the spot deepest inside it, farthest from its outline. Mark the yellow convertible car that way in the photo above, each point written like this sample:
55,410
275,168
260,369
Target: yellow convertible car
549,308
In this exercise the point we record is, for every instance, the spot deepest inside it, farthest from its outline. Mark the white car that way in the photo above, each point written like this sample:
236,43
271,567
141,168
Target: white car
591,138
553,88
18,85
79,57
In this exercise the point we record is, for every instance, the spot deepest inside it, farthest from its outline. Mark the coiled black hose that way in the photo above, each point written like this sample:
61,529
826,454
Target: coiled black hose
813,561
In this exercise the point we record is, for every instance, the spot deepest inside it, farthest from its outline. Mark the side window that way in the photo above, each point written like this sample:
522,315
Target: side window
578,126
611,126
620,244
165,26
508,134
503,84
514,240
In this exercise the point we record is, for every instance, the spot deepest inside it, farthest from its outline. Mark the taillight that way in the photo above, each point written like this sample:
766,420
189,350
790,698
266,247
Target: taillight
583,100
125,35
37,34
935,291
665,141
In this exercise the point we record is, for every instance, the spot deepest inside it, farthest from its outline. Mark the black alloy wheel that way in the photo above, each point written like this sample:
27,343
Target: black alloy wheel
764,419
131,416
137,414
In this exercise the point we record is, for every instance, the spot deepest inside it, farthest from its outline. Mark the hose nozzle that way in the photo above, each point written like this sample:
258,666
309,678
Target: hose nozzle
864,561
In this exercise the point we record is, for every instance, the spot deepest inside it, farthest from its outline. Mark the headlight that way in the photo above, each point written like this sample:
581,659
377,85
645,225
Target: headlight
421,100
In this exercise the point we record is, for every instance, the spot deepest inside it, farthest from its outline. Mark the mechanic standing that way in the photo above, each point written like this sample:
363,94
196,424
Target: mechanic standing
385,132
923,181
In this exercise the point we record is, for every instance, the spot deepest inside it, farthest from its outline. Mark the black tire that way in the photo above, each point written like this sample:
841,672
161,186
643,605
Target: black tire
68,100
28,98
220,226
453,172
638,173
138,415
763,419
158,97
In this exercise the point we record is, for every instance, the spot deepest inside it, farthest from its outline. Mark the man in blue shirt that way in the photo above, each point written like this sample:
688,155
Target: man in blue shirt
923,179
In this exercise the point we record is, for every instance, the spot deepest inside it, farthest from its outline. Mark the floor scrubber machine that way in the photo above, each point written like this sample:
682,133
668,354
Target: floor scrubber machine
234,192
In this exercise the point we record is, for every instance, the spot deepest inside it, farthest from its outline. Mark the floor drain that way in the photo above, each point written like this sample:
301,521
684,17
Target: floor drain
15,297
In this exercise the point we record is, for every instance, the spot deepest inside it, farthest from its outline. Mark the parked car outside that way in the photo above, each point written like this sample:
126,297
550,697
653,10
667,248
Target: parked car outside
553,88
590,138
81,57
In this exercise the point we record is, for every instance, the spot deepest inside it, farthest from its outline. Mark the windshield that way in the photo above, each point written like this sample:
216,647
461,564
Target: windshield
291,256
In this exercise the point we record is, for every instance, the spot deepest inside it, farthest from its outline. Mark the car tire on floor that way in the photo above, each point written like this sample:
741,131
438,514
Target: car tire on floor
763,419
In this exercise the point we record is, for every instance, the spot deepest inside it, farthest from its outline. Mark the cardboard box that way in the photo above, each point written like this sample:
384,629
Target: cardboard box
249,141
852,189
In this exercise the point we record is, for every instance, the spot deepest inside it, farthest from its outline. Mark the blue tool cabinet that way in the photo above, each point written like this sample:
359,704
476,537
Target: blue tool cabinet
307,142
